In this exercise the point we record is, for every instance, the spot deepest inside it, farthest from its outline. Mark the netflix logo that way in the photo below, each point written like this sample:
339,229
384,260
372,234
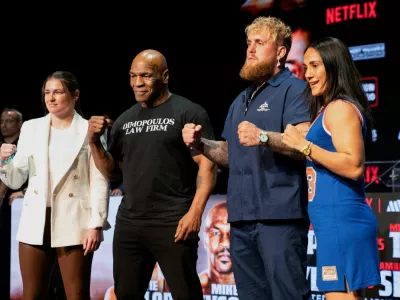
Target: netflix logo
366,10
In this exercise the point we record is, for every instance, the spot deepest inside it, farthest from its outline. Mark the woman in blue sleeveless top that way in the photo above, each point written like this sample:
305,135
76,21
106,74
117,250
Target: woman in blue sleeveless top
345,227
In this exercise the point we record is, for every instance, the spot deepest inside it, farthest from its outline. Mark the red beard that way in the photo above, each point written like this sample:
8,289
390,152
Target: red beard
255,71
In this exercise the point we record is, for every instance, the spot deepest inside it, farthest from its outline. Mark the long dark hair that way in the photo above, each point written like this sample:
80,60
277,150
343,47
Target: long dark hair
342,79
68,80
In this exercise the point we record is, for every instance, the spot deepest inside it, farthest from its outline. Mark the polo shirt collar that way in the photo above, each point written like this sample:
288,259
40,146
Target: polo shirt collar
279,77
274,81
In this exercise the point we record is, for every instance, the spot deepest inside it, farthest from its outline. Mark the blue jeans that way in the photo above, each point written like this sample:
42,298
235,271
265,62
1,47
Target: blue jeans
270,259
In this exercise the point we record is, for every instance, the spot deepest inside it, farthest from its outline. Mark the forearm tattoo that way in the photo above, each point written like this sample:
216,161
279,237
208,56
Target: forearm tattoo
216,151
275,144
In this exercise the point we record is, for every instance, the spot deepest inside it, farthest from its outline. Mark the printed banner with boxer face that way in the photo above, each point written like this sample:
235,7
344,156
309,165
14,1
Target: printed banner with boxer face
214,262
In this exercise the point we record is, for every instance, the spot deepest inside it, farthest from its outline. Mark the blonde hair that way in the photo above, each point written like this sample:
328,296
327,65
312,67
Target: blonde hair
279,32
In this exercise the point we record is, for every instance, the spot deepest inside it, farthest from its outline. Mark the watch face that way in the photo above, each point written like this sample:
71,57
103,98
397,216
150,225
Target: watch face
263,137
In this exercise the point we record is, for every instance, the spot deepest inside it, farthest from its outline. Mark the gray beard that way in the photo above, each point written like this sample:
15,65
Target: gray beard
257,71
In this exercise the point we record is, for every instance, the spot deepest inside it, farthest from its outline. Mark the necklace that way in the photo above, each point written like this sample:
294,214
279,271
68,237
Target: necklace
254,92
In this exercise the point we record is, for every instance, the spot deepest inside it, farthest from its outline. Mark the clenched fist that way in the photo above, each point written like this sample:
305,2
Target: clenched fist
6,150
293,138
191,134
97,127
248,134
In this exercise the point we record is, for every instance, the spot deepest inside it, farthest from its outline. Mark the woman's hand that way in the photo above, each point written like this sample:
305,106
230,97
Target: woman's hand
91,241
6,150
293,138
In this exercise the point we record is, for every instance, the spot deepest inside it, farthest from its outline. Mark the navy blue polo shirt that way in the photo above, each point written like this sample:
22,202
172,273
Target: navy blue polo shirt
263,184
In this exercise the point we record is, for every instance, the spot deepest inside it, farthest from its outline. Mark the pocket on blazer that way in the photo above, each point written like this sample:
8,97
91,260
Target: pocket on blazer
85,204
32,190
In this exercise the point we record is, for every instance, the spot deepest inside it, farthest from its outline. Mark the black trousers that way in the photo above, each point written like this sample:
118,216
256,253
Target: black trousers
136,249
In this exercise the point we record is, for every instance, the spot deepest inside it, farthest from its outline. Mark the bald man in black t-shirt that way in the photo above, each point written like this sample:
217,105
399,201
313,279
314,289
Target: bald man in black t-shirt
166,185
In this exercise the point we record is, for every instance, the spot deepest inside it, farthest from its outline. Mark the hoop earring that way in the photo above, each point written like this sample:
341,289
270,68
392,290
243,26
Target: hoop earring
278,64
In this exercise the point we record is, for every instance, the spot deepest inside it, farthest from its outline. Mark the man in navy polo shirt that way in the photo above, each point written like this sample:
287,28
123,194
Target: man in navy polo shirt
267,189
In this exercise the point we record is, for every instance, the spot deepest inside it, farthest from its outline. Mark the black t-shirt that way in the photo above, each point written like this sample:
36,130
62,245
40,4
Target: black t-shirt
159,173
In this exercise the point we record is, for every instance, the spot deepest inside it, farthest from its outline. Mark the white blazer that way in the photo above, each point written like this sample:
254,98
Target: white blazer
79,200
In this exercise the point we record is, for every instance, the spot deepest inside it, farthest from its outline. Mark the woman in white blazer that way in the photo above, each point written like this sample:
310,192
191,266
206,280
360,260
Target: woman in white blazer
66,203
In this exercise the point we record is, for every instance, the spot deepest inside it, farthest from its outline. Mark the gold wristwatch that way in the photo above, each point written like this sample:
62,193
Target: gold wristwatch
307,149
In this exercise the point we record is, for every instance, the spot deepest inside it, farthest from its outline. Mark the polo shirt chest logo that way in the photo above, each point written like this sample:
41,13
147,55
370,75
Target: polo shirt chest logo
263,107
